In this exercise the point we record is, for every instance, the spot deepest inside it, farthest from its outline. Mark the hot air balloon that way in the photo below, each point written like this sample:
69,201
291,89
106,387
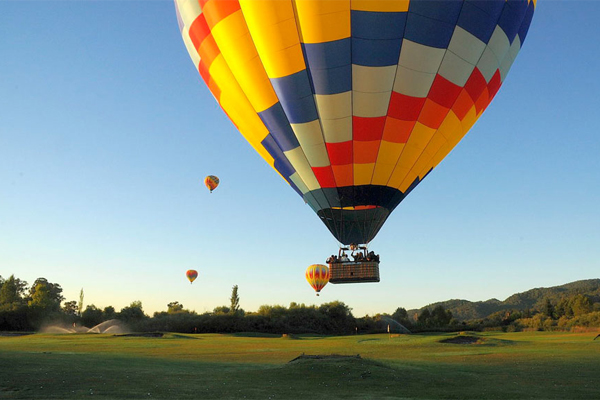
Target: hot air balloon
354,102
191,274
317,276
211,182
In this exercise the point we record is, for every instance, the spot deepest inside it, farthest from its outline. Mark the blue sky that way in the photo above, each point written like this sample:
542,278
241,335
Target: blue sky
106,132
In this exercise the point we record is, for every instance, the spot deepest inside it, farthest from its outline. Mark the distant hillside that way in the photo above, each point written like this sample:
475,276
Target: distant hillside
533,299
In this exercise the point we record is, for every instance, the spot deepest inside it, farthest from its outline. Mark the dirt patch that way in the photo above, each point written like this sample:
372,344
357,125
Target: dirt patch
462,339
326,357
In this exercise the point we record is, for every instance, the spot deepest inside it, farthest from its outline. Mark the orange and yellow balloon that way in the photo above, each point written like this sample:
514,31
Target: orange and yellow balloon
317,276
191,274
211,182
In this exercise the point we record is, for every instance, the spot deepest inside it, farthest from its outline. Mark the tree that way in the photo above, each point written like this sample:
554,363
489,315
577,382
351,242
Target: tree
54,291
21,287
294,305
401,316
42,298
581,304
549,309
80,305
174,307
221,310
109,313
70,308
235,300
339,315
91,316
272,311
10,296
424,318
440,317
133,313
562,309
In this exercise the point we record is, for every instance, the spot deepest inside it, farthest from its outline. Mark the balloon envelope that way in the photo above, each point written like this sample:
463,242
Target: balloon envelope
354,102
211,182
191,275
317,276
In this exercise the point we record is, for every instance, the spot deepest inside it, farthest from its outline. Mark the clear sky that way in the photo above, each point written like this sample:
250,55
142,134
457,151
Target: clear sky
107,131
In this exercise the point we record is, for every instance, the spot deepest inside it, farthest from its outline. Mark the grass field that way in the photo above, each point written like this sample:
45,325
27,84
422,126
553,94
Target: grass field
532,365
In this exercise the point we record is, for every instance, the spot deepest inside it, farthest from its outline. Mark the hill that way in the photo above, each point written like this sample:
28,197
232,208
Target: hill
533,299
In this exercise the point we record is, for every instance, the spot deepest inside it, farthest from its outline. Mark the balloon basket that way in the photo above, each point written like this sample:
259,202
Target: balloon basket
354,272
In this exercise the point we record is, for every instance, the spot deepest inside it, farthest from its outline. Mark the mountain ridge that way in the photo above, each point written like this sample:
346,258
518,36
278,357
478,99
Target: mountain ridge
532,299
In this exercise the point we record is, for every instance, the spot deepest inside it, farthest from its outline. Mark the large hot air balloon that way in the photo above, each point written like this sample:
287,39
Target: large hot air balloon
317,276
211,182
191,274
354,102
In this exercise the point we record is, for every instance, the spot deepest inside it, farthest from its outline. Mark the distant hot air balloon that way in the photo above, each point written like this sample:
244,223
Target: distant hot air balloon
191,274
354,102
317,276
211,182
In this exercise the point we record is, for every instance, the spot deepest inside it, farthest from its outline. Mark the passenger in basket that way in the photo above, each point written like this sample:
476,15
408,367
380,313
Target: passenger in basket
373,257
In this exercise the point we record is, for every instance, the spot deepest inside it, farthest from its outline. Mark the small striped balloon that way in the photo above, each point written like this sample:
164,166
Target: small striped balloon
211,182
317,276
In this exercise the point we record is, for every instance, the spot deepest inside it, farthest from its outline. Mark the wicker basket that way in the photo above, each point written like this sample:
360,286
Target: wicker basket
354,272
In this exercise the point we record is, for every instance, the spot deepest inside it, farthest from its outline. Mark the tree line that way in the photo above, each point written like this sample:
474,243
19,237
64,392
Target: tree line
29,308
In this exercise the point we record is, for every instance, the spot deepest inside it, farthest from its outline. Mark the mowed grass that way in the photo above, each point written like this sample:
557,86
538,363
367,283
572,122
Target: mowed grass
534,365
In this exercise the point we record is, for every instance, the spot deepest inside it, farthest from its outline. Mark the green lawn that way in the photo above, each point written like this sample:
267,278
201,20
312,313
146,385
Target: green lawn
535,365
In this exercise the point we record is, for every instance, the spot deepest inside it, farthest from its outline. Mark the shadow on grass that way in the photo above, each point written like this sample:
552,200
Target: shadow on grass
330,357
16,333
181,336
254,334
368,340
141,334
